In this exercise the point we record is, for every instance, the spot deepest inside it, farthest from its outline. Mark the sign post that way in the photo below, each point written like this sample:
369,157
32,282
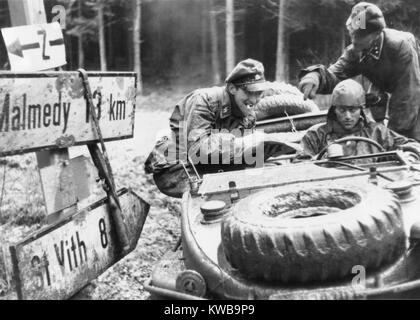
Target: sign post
47,112
58,261
31,12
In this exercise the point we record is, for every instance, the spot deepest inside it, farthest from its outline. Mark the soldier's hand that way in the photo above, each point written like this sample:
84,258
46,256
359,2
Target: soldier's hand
411,151
309,85
411,157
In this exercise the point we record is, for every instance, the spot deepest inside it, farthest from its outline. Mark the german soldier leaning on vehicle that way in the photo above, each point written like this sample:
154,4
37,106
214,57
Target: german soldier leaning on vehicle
388,58
209,125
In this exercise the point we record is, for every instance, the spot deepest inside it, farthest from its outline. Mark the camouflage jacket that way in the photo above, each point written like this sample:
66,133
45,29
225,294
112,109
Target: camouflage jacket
320,135
200,124
392,65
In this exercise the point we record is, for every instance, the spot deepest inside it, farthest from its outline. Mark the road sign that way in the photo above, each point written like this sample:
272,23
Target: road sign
56,262
35,47
49,110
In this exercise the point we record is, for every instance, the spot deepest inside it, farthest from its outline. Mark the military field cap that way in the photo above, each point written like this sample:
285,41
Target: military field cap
365,18
248,74
348,93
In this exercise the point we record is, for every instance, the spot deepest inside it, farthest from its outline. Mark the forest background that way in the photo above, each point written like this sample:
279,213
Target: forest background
174,46
192,43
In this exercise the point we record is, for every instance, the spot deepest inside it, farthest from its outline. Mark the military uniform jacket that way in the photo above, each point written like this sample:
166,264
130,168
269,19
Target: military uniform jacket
392,64
321,135
201,123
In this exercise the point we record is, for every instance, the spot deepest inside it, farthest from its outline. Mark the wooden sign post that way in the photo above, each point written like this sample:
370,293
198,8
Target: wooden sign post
31,12
47,112
58,261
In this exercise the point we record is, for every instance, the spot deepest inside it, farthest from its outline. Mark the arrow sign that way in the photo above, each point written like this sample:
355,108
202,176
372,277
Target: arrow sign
35,47
16,47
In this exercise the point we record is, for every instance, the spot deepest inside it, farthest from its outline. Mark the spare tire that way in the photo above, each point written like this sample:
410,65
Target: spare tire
282,105
313,233
276,87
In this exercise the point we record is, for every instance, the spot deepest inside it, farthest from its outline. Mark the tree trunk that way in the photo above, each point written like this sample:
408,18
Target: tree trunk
81,53
129,45
230,36
137,45
214,45
281,63
109,52
101,33
204,36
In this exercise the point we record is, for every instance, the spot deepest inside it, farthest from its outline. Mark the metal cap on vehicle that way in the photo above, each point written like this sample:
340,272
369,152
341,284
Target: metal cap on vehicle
212,211
191,282
212,208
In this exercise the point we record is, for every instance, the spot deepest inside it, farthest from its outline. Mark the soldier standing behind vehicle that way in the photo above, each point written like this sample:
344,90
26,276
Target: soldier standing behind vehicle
346,118
202,123
388,58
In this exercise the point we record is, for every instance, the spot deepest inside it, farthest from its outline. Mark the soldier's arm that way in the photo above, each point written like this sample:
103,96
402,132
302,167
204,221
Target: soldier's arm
311,143
347,66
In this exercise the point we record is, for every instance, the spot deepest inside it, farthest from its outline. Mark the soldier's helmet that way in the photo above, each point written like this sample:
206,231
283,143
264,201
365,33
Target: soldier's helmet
347,93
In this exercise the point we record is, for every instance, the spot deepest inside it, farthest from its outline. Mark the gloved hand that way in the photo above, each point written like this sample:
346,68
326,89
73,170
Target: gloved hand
411,157
309,85
411,150
372,99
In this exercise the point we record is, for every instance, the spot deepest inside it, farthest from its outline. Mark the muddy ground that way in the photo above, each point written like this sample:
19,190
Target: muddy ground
22,210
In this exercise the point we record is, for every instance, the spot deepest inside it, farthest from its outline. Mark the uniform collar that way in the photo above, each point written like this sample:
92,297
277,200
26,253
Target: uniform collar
226,109
375,50
227,106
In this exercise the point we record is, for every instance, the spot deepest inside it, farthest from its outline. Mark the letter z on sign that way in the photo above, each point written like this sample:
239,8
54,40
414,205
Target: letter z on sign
35,47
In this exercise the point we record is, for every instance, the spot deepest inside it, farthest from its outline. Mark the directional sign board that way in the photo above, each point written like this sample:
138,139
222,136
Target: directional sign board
56,262
35,47
49,110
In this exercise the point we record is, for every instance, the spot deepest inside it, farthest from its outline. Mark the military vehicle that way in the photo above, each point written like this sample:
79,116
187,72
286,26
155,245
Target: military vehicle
323,228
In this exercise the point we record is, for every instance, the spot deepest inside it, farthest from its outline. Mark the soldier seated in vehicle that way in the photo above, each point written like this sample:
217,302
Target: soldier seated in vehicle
345,118
211,128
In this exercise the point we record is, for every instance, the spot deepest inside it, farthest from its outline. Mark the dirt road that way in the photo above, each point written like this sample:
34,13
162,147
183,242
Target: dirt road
162,228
